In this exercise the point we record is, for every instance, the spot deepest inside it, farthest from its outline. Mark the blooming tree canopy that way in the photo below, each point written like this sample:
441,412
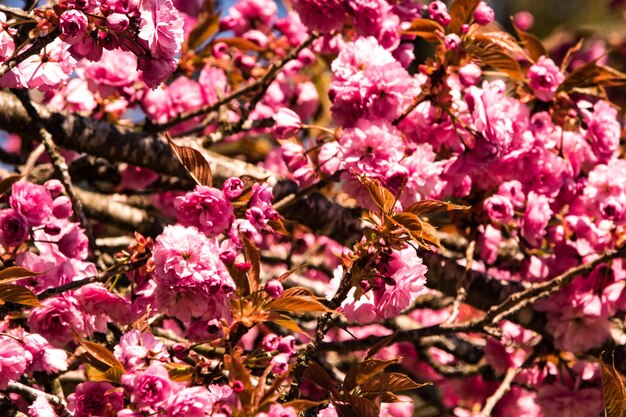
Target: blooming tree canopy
270,210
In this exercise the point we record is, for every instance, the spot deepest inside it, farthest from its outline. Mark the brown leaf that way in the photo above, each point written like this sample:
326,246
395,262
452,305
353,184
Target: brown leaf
421,232
363,371
179,372
433,206
318,375
381,344
570,54
14,273
279,227
461,12
593,74
7,183
238,372
500,39
497,58
613,389
207,25
425,28
285,321
533,44
389,382
99,356
194,162
382,197
364,407
113,374
251,255
303,405
18,294
296,304
241,44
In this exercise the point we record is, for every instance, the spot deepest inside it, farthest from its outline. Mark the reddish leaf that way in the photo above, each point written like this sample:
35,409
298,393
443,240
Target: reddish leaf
433,206
389,382
238,372
179,372
461,12
194,162
17,294
286,322
303,405
533,44
364,407
207,25
363,371
13,273
497,58
593,75
279,227
613,390
382,197
570,54
7,183
498,39
381,344
241,44
296,304
99,356
318,375
421,232
425,28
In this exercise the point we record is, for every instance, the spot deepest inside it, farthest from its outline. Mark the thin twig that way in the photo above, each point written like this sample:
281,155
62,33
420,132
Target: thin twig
102,277
504,387
60,166
31,394
512,305
261,84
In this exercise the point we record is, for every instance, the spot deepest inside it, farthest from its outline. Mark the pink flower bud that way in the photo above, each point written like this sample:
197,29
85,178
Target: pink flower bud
232,188
117,22
274,288
469,74
483,14
62,207
73,26
452,41
237,386
287,123
524,20
54,186
219,50
280,364
287,345
270,342
439,12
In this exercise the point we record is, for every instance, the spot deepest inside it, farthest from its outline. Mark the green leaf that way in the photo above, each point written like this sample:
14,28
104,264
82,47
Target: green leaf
425,28
194,162
18,294
461,12
14,273
613,389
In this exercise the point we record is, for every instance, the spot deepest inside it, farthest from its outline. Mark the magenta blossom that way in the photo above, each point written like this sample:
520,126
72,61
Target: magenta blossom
32,201
205,208
545,78
95,399
13,228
